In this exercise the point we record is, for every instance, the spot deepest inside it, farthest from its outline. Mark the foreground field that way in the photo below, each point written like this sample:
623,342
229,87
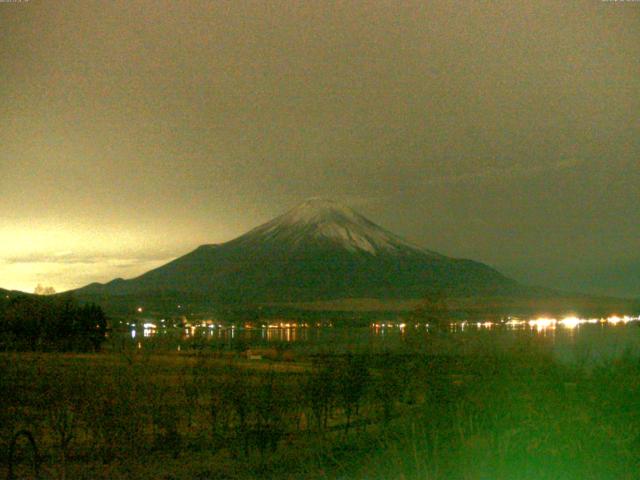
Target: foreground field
405,415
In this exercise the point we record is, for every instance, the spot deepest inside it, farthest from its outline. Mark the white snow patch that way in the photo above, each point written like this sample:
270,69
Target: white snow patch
327,219
347,238
316,210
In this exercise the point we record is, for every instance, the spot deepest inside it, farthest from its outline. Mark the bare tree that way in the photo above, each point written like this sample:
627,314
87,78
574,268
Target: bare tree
42,290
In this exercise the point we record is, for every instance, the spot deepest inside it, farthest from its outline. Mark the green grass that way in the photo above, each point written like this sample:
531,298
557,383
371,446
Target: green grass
513,415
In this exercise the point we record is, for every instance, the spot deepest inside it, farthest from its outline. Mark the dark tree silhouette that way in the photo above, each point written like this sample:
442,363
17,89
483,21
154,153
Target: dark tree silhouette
31,322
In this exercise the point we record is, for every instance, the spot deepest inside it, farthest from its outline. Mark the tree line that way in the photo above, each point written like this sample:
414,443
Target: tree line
34,322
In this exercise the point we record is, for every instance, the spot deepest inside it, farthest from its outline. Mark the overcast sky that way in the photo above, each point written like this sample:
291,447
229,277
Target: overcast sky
507,132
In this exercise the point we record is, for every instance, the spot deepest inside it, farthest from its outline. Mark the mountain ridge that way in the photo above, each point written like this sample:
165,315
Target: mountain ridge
319,250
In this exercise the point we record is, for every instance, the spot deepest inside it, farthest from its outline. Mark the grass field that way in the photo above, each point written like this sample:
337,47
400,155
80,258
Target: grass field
397,415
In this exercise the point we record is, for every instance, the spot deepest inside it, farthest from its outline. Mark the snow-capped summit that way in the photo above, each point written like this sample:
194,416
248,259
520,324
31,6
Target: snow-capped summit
318,250
317,210
325,220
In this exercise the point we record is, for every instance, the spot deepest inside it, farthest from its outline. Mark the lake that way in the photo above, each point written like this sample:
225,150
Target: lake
568,339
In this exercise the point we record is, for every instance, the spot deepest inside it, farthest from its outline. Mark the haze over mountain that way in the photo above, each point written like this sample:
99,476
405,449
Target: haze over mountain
319,250
506,133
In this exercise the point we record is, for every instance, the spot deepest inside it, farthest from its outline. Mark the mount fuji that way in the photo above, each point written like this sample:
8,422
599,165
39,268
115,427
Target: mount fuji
318,251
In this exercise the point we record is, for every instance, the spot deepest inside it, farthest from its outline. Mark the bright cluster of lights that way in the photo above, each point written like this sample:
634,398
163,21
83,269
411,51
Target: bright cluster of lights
571,322
543,323
288,325
614,320
514,322
540,324
149,329
401,326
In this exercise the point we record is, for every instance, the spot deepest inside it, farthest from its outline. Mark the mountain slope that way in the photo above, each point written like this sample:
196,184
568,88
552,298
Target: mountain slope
325,221
319,250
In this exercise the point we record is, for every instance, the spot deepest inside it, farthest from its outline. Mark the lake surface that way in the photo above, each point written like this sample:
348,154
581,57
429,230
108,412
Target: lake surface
568,339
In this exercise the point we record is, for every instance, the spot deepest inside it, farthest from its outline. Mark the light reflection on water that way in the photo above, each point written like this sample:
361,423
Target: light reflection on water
567,338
